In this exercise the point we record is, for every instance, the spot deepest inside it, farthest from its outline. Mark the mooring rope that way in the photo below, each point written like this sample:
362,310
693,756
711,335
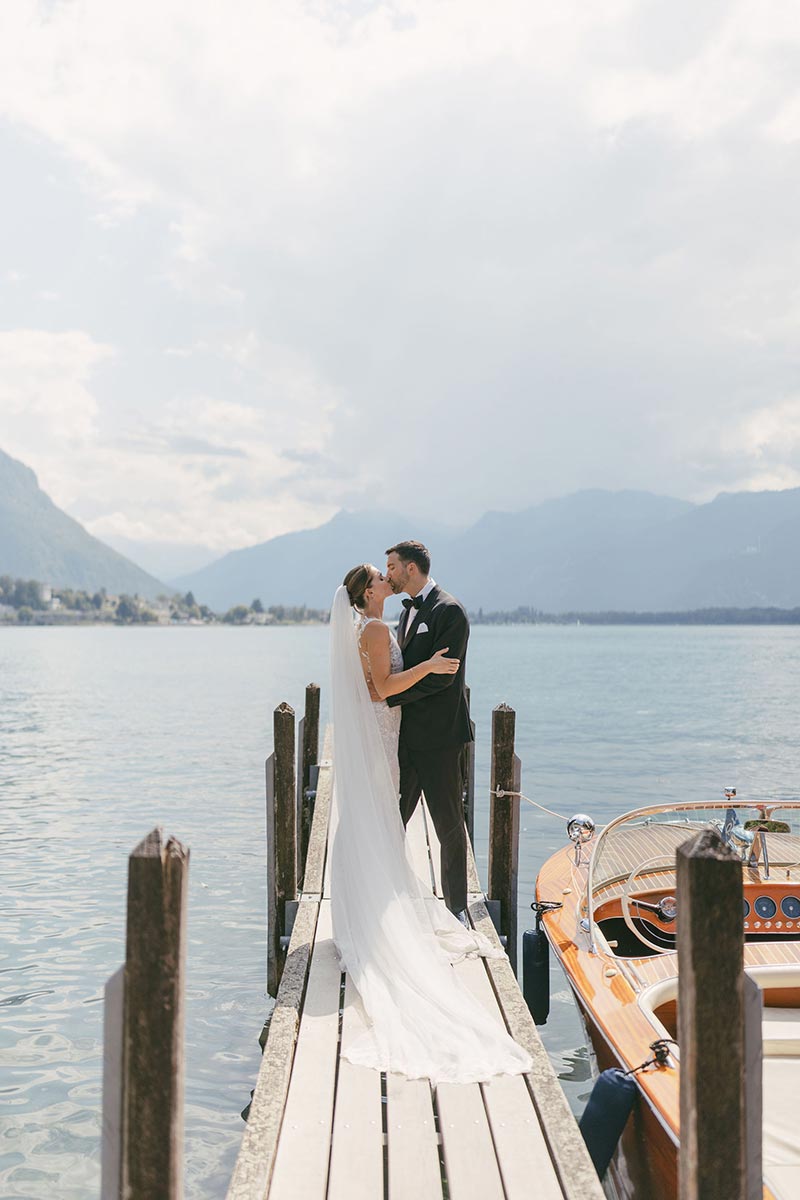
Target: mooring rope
500,793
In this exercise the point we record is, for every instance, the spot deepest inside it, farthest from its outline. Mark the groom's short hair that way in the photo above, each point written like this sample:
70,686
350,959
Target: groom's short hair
415,552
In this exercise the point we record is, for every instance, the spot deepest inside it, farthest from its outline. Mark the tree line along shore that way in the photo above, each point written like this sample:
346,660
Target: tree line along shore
29,602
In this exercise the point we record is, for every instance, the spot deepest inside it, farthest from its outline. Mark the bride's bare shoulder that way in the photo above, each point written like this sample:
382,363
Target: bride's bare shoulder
375,632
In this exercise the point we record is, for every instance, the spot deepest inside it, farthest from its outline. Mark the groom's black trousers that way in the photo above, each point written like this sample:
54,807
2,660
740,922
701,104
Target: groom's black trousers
437,773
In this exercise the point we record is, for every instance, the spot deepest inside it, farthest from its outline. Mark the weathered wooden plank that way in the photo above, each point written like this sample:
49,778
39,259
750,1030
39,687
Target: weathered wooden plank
300,849
469,1157
256,1159
414,1171
356,1171
301,1162
155,954
111,1143
567,1148
504,825
474,888
519,1141
316,860
711,1159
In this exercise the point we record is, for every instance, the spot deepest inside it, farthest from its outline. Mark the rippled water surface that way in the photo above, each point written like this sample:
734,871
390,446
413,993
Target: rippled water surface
106,732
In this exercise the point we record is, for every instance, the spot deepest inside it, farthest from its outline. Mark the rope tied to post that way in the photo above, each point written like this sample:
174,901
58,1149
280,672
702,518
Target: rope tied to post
500,793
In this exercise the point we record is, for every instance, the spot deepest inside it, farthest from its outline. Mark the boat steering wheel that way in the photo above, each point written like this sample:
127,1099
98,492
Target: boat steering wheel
660,917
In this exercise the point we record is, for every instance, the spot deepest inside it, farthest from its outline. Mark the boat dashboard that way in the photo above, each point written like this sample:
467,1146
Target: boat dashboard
777,909
631,897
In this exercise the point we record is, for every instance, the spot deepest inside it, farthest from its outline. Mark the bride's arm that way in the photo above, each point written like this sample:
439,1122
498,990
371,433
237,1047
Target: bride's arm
454,633
375,642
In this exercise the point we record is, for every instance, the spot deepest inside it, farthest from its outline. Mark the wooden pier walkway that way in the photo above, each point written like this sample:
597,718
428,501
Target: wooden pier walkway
321,1128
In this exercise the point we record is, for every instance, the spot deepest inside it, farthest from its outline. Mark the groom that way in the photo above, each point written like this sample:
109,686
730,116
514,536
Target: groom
436,722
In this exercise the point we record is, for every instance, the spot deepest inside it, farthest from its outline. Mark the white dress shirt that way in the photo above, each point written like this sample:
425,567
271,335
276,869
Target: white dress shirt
414,612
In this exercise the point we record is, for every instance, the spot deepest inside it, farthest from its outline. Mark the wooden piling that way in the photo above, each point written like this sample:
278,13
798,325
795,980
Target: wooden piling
153,1023
281,838
308,746
273,927
712,1159
504,825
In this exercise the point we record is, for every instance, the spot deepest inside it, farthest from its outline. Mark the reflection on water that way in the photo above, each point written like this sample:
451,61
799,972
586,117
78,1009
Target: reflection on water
575,1066
106,732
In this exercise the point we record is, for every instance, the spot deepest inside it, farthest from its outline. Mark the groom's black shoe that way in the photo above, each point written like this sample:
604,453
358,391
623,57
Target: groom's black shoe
463,918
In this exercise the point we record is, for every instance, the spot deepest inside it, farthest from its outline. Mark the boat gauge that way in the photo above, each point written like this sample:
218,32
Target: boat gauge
766,907
746,905
790,907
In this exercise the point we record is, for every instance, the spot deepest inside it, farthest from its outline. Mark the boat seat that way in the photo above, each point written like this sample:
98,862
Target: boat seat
780,1029
781,1147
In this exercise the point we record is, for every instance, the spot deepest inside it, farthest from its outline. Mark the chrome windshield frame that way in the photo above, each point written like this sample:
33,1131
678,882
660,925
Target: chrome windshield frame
774,806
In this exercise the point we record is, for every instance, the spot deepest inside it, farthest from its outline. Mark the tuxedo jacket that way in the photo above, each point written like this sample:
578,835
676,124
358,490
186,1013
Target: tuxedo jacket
435,710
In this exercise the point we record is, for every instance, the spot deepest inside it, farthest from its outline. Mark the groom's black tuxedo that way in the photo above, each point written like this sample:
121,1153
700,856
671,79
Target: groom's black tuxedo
435,710
434,728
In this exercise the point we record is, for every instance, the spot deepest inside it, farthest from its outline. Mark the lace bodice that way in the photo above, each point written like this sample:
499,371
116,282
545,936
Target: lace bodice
395,653
388,718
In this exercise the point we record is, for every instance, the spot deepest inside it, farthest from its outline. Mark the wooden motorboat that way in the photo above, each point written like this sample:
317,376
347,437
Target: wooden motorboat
614,935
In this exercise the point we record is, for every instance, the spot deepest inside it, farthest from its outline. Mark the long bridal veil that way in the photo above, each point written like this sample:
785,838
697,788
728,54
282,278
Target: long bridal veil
395,939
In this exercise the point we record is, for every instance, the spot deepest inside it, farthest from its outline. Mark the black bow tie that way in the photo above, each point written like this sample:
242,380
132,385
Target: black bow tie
417,602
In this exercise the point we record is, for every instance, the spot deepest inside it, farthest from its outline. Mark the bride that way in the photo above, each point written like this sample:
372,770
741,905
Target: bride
395,939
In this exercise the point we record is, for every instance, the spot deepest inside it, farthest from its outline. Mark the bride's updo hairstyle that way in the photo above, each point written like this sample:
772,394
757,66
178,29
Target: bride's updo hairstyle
357,581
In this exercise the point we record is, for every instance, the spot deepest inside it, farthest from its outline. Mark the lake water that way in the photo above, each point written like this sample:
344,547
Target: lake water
106,732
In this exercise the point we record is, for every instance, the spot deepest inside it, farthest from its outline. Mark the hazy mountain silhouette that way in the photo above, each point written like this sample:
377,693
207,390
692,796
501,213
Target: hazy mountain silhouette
307,566
590,551
39,541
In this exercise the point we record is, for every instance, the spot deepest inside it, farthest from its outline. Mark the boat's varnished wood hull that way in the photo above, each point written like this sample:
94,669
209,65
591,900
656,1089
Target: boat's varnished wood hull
606,989
646,1162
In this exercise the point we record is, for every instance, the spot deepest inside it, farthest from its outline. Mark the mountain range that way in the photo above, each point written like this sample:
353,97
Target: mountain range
591,551
40,541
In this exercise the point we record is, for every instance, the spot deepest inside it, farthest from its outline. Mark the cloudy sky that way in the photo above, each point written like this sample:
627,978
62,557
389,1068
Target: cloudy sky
262,260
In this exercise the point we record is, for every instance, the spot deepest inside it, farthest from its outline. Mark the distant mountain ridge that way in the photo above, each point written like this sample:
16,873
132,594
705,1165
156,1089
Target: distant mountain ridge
40,541
309,562
594,550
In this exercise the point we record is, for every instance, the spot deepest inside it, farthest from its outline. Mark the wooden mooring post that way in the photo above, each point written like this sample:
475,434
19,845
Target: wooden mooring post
307,759
281,842
142,1139
504,825
719,1030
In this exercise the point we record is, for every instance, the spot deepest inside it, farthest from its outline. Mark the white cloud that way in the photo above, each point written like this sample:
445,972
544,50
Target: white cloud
199,470
45,398
485,252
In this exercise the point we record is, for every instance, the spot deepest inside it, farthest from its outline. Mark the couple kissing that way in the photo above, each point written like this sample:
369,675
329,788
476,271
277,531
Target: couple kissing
400,722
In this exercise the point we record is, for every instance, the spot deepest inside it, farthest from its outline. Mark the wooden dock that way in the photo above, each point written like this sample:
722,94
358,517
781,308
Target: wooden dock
321,1128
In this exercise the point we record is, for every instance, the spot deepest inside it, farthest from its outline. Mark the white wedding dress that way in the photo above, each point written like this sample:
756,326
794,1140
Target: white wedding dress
395,939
